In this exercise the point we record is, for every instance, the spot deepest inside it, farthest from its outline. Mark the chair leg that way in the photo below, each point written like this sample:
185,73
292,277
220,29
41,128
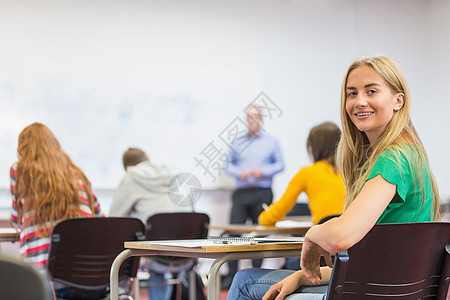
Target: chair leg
179,290
192,285
53,290
132,289
136,289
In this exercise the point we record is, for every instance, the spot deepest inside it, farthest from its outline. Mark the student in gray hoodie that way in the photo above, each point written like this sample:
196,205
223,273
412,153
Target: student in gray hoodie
143,190
142,193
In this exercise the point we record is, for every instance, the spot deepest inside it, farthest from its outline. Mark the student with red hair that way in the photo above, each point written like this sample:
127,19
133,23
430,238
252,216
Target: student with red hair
46,188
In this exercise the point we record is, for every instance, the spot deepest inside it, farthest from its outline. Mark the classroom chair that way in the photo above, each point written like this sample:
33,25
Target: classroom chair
321,221
21,280
327,218
82,251
299,209
394,261
177,226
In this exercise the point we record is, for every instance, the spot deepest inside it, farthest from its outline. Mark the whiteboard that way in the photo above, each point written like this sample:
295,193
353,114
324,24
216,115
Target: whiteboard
170,77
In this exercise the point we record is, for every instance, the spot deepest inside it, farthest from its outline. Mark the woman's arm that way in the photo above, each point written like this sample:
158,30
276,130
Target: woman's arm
279,209
341,233
291,283
124,198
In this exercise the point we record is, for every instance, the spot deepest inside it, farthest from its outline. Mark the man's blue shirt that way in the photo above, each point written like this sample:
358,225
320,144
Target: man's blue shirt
261,151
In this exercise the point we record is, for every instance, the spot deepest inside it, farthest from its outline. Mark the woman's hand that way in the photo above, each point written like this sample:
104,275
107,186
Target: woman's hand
310,260
309,275
285,287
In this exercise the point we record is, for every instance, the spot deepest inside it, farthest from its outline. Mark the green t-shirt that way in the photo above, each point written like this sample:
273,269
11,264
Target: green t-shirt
397,168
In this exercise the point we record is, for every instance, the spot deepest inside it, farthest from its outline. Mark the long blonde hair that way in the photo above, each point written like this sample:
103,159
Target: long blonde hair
356,156
47,180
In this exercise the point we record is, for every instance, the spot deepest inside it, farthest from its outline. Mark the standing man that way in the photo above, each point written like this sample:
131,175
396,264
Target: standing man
254,159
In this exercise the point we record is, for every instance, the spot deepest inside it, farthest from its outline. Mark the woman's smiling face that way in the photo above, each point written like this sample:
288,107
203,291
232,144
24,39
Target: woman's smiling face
370,102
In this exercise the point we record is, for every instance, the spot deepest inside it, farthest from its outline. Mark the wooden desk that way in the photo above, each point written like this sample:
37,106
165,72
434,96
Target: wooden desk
258,230
203,249
9,235
298,218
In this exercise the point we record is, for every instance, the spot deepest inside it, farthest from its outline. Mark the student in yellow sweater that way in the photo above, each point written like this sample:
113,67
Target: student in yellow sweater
321,181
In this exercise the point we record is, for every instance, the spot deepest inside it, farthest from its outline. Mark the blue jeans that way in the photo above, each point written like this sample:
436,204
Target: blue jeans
252,284
292,263
158,289
160,272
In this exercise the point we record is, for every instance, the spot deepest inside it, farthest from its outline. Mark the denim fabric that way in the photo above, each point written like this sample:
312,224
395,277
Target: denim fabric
292,263
252,284
160,272
74,293
158,289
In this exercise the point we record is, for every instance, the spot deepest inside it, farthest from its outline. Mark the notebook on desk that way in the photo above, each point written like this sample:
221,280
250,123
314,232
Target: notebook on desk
250,240
292,223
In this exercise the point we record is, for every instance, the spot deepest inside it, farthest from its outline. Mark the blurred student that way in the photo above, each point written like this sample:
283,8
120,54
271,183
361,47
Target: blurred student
143,191
321,181
386,173
46,188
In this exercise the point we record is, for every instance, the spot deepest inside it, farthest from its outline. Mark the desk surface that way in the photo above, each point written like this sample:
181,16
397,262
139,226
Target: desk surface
9,235
299,228
298,218
205,246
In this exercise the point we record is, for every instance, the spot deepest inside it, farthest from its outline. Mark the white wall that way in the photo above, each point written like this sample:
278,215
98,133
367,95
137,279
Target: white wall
170,76
433,118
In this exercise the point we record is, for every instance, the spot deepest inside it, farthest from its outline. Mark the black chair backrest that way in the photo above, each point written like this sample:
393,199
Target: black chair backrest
395,261
321,221
82,250
20,280
324,219
177,226
299,209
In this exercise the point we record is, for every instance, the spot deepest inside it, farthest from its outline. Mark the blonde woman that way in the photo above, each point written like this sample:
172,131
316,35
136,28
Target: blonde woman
385,170
46,187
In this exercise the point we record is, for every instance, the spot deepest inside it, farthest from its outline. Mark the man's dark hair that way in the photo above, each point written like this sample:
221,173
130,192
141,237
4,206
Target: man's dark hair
133,156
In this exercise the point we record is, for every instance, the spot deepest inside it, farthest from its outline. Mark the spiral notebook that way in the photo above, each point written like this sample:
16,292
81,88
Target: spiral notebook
234,240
